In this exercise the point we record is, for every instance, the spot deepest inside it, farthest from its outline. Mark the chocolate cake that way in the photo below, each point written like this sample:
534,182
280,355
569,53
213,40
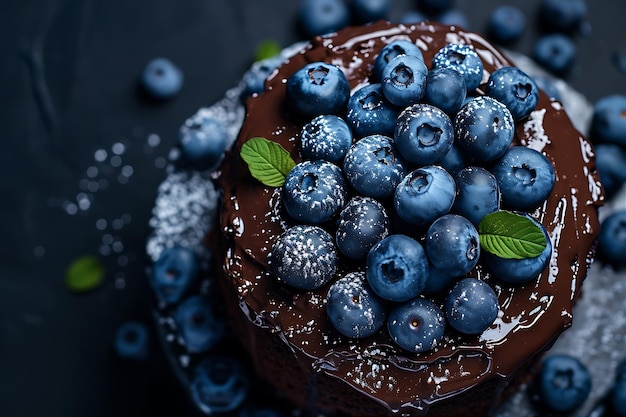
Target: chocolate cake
287,332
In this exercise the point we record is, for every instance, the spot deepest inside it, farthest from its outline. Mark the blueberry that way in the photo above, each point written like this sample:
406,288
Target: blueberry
612,239
314,191
319,17
318,88
424,134
326,137
464,59
219,384
555,52
611,164
609,120
424,195
515,89
455,160
203,140
370,113
471,306
198,325
162,79
404,80
173,273
397,268
520,271
411,16
445,89
564,383
364,11
417,325
304,257
353,308
548,85
391,51
258,73
453,17
562,15
132,341
438,280
484,128
478,193
435,6
526,178
506,24
452,244
362,223
373,166
617,396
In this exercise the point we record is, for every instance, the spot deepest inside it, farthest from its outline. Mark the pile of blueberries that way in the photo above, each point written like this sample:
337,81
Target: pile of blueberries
395,181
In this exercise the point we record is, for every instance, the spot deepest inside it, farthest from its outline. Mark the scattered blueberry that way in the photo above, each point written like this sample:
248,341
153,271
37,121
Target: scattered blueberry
424,134
506,24
404,80
609,120
318,88
373,166
618,391
370,113
612,239
198,325
391,51
471,306
526,178
484,128
364,11
132,341
548,85
353,308
478,193
455,160
445,89
304,257
611,164
416,326
515,89
397,268
319,17
362,223
219,384
464,59
452,244
453,17
520,271
438,280
256,76
314,191
173,273
162,79
424,195
562,15
411,17
564,383
203,140
326,137
556,53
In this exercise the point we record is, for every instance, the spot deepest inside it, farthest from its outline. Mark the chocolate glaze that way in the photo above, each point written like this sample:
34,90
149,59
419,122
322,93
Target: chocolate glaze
531,316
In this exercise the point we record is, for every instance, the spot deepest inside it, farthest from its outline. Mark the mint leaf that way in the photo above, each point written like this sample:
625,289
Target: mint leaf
267,49
267,161
511,236
84,274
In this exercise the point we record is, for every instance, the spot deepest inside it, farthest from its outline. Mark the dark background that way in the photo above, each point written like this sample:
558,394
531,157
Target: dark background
68,88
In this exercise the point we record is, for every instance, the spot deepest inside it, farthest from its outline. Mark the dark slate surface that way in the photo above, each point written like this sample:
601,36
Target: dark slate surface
68,85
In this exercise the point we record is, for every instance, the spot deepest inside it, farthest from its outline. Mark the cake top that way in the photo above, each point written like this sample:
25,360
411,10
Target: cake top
530,316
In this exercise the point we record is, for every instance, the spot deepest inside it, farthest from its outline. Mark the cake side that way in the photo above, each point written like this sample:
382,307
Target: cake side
531,316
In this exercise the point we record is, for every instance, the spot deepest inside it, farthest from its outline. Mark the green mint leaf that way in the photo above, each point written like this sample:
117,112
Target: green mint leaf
84,274
267,49
267,161
511,236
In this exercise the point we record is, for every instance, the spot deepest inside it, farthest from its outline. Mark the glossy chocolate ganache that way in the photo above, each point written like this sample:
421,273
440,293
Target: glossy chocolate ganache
372,376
